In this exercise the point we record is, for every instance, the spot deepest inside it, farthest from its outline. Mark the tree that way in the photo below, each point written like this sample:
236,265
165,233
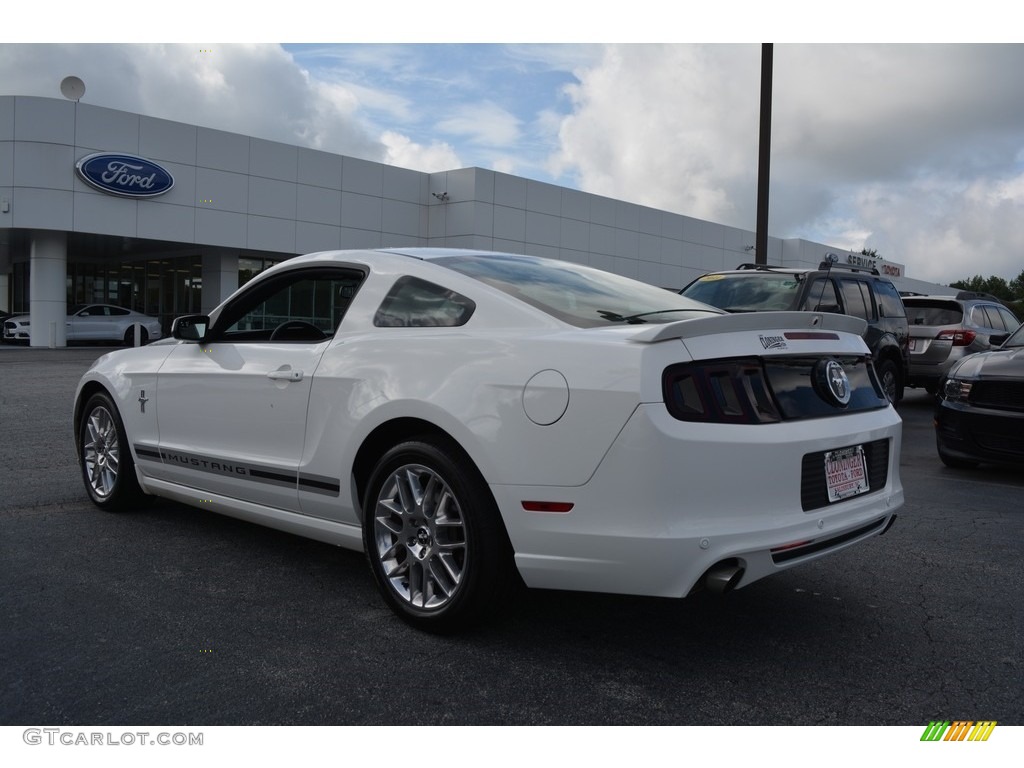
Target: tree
996,286
1017,286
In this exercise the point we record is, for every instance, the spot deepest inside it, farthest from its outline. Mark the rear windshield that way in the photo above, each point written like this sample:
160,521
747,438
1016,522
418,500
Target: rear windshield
746,293
933,312
574,294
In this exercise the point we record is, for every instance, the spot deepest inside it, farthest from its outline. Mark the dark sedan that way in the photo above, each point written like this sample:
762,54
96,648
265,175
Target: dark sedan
980,414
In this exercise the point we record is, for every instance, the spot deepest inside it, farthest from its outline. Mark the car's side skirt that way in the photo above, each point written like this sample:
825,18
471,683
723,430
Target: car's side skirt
327,531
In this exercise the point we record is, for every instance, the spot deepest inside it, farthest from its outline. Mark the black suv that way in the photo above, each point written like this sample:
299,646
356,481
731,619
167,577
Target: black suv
857,291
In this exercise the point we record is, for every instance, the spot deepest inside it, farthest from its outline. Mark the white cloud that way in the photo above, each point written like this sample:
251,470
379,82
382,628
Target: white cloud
252,89
403,152
483,123
667,126
914,150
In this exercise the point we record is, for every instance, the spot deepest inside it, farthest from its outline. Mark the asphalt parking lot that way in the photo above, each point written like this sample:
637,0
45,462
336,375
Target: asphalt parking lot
173,615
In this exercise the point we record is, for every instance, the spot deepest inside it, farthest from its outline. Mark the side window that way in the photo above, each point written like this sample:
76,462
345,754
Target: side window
856,299
889,302
117,311
304,305
987,317
1009,320
415,303
822,297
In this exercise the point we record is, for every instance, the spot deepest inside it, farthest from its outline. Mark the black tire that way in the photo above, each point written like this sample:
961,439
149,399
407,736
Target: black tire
891,381
129,337
105,456
434,538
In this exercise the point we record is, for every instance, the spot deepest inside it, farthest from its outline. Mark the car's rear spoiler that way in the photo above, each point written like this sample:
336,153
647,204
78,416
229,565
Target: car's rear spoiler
752,321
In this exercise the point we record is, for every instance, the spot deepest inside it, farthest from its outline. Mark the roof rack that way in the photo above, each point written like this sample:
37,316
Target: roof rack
825,265
977,295
850,267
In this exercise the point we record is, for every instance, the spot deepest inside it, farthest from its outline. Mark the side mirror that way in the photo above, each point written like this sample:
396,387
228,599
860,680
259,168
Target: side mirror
190,327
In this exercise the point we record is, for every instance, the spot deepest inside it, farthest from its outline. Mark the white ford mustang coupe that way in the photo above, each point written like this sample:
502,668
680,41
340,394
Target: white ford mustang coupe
471,419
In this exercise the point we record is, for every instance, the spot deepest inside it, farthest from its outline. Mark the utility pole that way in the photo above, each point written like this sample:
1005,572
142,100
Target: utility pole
764,155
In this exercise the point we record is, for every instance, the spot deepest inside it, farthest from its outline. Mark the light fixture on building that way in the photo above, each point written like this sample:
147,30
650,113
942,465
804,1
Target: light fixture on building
442,196
72,88
5,205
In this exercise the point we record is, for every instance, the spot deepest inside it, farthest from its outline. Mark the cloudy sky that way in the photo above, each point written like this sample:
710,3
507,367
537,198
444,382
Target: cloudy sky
914,150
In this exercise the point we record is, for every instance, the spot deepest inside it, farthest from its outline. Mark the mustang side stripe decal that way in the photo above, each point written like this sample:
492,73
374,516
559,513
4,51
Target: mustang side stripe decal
319,484
256,473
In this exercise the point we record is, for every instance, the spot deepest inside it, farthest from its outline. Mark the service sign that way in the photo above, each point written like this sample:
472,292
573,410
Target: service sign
124,175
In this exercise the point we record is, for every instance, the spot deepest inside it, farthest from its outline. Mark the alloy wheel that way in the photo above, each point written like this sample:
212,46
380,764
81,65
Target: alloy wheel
101,452
420,537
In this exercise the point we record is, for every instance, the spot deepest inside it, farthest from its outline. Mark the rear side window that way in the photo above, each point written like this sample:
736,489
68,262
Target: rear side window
934,313
988,317
857,299
416,303
822,296
889,302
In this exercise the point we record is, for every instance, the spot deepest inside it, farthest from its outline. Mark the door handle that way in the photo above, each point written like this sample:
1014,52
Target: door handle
286,374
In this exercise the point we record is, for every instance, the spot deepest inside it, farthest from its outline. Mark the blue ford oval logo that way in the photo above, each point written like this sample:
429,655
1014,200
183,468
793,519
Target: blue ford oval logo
125,175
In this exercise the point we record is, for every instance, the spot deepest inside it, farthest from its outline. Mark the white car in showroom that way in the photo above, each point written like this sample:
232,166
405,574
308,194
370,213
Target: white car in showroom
472,419
94,322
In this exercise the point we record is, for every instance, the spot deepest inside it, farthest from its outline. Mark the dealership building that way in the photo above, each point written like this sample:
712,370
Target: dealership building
166,218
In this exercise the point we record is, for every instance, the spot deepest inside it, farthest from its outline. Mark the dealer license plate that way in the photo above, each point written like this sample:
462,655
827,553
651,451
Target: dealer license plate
846,473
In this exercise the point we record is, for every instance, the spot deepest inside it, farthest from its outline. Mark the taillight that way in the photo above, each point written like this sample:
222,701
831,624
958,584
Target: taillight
731,392
960,338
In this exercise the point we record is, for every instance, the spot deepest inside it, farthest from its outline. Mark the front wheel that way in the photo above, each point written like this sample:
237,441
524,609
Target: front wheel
105,458
434,537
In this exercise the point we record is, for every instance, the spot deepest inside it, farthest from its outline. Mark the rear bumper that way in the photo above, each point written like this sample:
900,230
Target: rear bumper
672,499
927,374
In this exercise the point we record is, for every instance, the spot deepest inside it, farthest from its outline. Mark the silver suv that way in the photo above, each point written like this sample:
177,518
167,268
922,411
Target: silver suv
944,329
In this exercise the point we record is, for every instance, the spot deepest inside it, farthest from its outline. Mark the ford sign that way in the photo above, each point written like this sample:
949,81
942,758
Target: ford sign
124,175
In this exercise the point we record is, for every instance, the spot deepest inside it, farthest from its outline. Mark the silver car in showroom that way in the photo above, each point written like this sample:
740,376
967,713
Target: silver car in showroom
94,322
